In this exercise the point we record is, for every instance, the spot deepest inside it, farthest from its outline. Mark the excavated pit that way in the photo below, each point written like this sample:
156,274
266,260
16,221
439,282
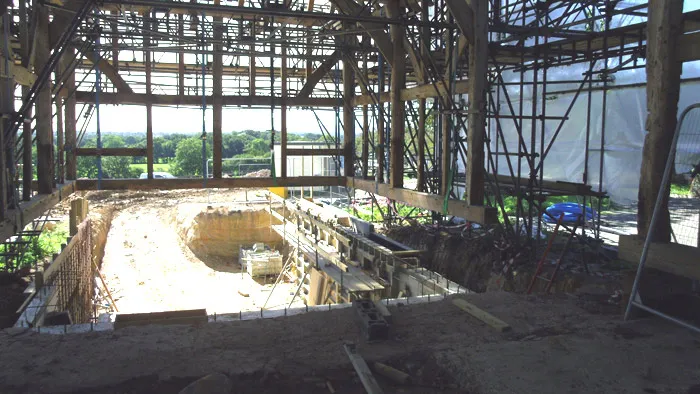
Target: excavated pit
163,255
216,234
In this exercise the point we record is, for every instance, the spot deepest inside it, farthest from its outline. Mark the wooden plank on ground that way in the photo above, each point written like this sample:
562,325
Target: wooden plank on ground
677,259
362,370
192,317
482,315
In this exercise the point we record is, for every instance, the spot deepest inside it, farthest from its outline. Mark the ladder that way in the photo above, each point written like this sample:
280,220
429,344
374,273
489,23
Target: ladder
550,280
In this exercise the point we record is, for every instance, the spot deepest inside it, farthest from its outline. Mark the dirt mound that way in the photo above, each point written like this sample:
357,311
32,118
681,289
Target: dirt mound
258,174
220,231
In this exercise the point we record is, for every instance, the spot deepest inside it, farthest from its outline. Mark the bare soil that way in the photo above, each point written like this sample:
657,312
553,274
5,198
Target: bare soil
553,347
148,267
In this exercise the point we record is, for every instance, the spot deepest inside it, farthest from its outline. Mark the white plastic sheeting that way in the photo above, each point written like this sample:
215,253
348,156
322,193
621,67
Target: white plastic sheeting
626,114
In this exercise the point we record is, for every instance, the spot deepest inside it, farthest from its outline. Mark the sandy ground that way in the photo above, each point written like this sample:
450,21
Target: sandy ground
553,347
148,267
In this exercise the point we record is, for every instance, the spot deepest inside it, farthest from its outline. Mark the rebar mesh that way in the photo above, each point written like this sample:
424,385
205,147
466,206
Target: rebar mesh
73,278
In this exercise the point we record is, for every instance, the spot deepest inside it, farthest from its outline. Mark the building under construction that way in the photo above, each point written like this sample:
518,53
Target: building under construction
478,160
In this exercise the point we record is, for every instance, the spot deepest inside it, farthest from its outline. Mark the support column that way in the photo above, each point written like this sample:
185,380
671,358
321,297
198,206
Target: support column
446,129
149,106
217,71
348,110
663,87
398,82
381,141
44,124
283,109
7,85
59,132
181,55
425,52
70,128
476,121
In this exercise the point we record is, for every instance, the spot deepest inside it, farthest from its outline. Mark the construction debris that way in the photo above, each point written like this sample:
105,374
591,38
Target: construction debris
484,316
370,320
391,373
260,260
363,372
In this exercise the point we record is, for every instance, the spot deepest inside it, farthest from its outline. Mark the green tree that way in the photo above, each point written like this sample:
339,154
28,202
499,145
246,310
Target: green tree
188,157
233,145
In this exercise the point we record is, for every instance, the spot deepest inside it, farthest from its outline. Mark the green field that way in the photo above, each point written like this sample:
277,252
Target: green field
156,167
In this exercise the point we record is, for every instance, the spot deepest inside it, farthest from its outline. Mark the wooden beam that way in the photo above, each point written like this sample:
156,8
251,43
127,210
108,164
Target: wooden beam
421,146
663,89
348,110
375,30
365,141
688,49
196,101
677,259
20,73
196,183
44,113
363,372
217,76
316,76
15,220
431,202
422,91
148,60
180,56
106,68
479,313
70,127
130,152
283,110
476,121
463,14
398,82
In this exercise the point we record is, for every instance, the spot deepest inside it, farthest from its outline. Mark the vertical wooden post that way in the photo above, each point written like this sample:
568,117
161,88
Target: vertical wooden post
217,84
181,55
44,124
70,128
149,104
381,140
446,153
425,52
478,63
365,127
348,110
283,108
251,67
59,134
114,27
27,162
398,82
663,88
7,106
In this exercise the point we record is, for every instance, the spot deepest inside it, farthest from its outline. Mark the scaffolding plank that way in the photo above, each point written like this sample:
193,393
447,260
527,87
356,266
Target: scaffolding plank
482,315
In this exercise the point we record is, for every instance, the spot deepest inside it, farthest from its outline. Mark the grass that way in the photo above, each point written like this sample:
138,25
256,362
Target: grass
680,190
48,243
156,167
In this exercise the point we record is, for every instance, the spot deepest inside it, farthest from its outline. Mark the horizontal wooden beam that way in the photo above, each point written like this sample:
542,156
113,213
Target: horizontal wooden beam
190,100
15,220
689,47
313,152
431,202
21,75
110,152
677,259
199,183
416,92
